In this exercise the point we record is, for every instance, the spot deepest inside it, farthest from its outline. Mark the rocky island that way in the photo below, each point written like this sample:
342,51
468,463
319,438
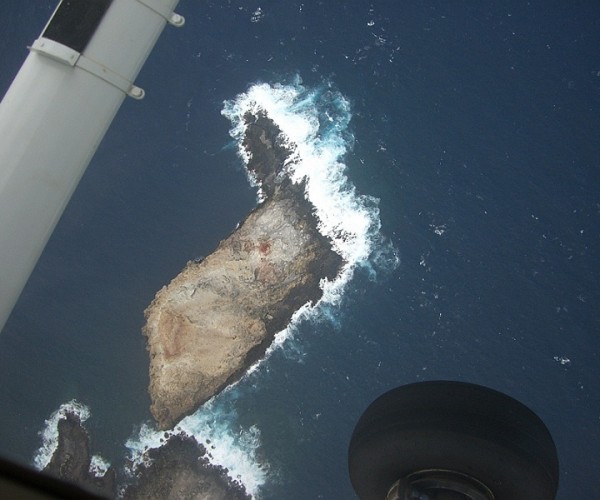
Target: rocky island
219,315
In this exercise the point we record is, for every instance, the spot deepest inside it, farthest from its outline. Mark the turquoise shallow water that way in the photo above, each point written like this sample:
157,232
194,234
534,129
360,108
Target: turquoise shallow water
474,124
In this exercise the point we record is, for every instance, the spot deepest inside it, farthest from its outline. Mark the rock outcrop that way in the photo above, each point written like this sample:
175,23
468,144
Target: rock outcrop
218,316
180,469
71,459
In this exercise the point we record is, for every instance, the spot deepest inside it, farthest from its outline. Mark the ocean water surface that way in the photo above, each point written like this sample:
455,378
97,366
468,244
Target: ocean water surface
450,148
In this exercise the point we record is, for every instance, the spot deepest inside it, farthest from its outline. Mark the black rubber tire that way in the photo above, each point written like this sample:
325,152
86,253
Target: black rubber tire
453,426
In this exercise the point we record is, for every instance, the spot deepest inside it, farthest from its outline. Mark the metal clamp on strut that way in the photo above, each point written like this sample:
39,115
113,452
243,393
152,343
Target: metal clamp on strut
66,55
171,17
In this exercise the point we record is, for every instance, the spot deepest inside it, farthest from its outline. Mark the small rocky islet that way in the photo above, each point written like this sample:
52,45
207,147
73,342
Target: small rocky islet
219,315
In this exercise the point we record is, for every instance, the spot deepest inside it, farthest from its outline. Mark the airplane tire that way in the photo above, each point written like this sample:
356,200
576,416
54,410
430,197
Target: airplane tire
441,435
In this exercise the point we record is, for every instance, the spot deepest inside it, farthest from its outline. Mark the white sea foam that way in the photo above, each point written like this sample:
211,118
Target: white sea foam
236,451
315,126
99,466
49,434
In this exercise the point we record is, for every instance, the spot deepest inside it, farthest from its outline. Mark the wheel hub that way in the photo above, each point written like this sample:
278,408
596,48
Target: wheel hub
439,484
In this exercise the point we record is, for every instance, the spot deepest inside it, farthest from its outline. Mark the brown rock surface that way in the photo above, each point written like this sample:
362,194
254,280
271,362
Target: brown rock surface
218,316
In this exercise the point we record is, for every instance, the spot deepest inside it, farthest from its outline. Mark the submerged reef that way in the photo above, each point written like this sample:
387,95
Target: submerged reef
219,315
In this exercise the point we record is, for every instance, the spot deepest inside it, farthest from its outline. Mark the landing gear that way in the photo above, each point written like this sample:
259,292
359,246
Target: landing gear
451,441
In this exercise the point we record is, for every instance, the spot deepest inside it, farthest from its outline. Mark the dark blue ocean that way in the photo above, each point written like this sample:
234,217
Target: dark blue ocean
475,124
